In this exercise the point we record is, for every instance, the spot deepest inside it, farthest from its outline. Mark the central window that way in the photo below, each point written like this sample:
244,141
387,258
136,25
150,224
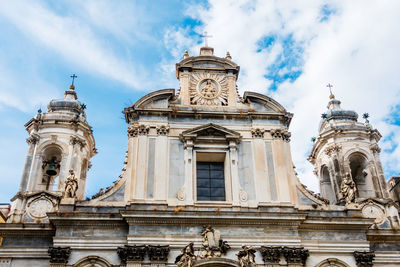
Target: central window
210,181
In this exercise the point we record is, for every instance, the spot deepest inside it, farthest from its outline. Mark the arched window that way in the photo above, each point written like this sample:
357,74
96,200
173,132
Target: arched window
361,177
92,261
326,185
50,168
332,262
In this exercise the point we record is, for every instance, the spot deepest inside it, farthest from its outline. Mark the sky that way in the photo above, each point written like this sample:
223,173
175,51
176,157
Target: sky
121,50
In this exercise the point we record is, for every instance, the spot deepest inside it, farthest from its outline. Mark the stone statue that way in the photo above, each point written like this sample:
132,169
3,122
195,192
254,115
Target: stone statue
208,90
187,258
71,185
213,245
348,189
247,256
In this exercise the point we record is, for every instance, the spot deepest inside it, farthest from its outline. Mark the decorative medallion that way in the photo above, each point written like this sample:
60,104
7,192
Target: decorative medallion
208,89
40,207
371,210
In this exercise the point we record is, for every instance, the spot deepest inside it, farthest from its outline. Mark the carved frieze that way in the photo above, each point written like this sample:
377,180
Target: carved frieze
364,258
280,134
257,133
162,130
59,254
334,148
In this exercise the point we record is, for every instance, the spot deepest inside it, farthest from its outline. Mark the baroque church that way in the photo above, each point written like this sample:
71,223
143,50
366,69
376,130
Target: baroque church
208,181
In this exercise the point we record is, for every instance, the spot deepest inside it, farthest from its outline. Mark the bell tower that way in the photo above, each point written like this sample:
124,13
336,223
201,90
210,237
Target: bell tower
60,145
346,157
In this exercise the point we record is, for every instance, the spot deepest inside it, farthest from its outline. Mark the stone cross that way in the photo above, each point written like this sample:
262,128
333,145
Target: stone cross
205,36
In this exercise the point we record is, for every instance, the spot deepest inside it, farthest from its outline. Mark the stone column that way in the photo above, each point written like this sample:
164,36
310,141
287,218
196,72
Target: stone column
232,89
184,81
188,186
260,171
132,160
158,255
141,167
161,161
233,156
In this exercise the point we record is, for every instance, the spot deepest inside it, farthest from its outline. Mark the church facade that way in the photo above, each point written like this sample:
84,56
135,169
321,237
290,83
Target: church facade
208,180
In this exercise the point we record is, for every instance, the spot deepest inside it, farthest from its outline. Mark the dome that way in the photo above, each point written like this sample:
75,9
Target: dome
69,103
336,113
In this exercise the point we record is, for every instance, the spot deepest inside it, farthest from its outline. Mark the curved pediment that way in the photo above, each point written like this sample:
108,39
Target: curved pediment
152,100
267,102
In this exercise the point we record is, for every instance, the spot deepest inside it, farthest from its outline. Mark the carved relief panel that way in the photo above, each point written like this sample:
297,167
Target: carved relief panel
208,89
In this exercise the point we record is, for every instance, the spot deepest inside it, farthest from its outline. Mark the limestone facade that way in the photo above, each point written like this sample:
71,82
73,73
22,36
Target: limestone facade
208,180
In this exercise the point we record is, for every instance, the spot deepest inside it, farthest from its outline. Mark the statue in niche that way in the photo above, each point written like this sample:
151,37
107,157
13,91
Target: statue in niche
208,90
247,256
213,245
71,185
187,258
348,189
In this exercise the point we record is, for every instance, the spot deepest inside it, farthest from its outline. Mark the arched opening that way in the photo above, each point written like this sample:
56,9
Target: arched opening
92,261
326,185
51,161
216,262
361,176
332,262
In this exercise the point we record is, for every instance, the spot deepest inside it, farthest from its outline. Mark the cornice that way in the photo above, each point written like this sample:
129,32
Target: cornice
26,229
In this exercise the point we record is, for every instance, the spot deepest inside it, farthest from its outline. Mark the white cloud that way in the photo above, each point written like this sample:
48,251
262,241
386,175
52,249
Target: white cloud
356,49
73,38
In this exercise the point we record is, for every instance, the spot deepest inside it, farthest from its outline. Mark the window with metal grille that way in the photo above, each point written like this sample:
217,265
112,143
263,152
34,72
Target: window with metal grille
210,181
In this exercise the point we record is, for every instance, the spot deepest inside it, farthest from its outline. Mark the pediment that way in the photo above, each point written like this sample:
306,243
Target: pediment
210,131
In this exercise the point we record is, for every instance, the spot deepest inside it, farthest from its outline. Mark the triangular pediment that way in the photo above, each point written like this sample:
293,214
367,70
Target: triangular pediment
210,130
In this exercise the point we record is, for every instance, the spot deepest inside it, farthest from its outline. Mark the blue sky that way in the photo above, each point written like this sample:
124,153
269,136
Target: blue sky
121,50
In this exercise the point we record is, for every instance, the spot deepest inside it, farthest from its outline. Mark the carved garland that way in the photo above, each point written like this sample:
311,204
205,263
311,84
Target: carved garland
135,130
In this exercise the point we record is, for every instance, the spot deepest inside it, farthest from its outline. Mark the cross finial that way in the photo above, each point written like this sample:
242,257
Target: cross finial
73,76
330,90
205,36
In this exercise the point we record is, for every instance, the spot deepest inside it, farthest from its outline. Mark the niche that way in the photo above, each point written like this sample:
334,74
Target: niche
326,185
51,168
361,177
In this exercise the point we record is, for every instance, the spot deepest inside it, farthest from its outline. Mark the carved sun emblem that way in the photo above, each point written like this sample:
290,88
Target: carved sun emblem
208,89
